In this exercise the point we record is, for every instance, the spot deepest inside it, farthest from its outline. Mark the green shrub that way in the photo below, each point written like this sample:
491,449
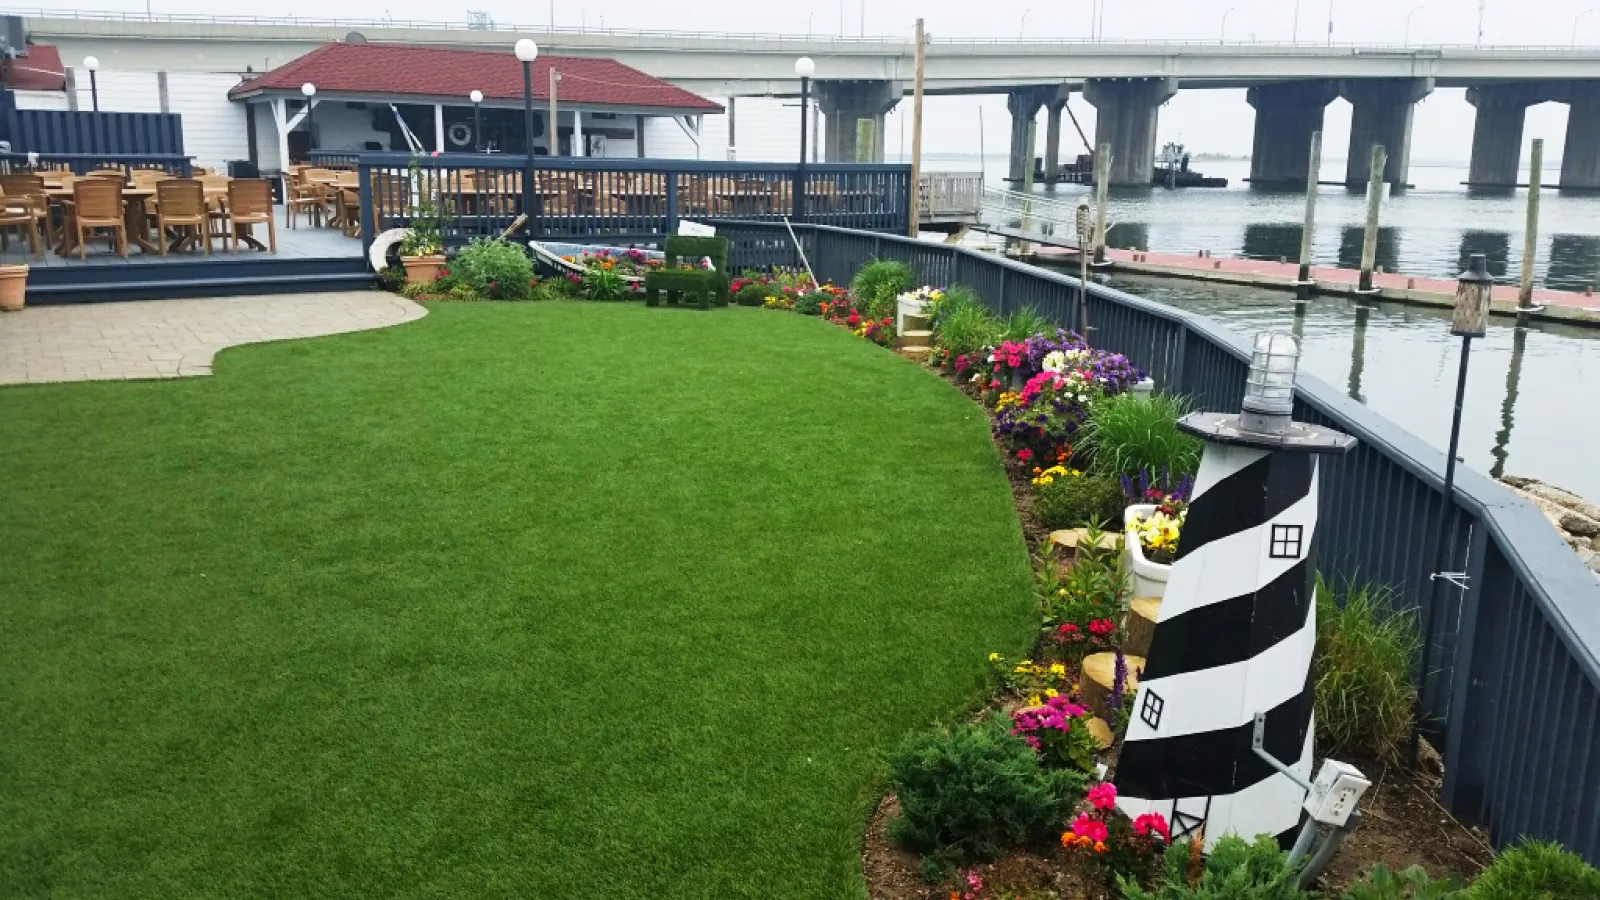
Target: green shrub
494,269
1073,501
1364,692
877,285
967,328
1130,433
975,791
950,299
810,304
1025,323
1536,870
1412,884
755,293
1235,870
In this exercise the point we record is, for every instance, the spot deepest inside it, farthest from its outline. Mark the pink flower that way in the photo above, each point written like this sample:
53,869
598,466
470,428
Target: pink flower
1103,796
1152,822
1085,827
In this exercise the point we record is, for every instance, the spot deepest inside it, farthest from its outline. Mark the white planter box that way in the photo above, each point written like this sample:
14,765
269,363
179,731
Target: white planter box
907,306
1149,579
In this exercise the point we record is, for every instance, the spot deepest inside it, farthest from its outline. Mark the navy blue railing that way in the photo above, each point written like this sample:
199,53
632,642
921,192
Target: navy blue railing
1511,693
623,200
81,163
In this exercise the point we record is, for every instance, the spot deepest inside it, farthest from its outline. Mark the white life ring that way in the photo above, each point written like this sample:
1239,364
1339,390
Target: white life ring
459,134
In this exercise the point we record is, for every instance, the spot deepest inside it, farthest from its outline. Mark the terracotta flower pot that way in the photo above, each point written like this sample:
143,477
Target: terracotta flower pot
422,269
13,287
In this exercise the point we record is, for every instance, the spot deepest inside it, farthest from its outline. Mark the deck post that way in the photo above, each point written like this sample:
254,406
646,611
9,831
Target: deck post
1530,239
672,202
1369,241
1308,232
369,224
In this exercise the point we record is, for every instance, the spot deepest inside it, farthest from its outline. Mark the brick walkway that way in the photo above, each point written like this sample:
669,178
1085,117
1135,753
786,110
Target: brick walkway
172,338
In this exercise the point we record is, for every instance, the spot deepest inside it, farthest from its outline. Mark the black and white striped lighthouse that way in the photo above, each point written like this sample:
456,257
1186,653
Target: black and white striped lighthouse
1237,625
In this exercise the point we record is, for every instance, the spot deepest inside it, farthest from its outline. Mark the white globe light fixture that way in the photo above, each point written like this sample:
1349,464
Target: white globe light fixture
309,89
527,50
804,67
476,96
93,65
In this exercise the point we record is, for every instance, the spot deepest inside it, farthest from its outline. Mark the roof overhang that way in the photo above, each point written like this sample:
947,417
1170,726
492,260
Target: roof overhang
258,95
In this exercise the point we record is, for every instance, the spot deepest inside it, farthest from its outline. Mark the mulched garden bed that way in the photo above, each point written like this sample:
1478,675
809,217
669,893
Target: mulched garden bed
1403,822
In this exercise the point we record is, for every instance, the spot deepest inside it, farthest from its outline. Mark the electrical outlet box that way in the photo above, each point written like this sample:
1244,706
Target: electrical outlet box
1335,793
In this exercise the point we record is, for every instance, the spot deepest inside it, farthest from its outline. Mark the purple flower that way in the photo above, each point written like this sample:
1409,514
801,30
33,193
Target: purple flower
1119,680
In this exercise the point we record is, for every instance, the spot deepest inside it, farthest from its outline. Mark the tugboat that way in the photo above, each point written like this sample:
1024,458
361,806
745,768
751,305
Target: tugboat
1172,170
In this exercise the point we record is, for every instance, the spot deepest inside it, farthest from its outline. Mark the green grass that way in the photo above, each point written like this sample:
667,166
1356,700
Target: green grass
543,600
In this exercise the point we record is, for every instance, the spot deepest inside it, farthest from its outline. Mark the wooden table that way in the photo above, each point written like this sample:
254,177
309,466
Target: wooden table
136,218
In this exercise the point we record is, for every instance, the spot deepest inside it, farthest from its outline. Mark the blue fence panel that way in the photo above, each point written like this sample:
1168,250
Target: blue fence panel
78,131
81,163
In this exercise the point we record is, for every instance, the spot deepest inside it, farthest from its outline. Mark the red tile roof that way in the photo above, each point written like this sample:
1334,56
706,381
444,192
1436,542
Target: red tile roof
40,70
437,72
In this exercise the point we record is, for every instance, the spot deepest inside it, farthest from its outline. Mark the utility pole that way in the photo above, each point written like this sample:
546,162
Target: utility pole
915,218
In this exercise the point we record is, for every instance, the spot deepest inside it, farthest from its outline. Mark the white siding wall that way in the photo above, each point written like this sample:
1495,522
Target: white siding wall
767,130
266,138
341,128
121,90
41,99
213,126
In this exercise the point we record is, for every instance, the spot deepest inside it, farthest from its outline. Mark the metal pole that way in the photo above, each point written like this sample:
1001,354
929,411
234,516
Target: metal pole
1308,232
1027,187
801,182
1442,557
477,130
311,124
555,115
1481,4
94,91
1369,241
1530,239
1102,179
915,219
527,145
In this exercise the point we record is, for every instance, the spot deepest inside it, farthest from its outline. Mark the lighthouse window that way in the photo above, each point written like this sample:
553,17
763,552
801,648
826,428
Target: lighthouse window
1285,542
1150,710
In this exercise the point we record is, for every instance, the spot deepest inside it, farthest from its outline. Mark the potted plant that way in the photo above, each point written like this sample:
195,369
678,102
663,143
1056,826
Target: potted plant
13,287
1151,545
422,249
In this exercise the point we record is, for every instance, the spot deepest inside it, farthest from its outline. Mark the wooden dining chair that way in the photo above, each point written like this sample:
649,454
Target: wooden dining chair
31,185
181,203
17,211
250,204
97,205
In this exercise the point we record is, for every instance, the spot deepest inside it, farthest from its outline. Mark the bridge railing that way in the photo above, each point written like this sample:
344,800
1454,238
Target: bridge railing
623,200
1511,691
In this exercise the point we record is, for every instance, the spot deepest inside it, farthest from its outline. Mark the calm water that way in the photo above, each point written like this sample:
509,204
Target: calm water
1430,229
1533,401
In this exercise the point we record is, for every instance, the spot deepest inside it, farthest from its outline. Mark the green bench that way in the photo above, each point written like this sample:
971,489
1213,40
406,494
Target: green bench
710,287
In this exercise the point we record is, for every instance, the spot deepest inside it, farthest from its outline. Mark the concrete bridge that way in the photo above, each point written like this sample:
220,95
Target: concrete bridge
1289,85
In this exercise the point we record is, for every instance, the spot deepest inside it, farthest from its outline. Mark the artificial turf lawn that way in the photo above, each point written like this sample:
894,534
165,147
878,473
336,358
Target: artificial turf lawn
541,600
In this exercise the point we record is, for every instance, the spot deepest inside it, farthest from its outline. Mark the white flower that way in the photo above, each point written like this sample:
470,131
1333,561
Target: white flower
1054,361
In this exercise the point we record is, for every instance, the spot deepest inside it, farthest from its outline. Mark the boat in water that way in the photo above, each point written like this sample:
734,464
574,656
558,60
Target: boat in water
1172,170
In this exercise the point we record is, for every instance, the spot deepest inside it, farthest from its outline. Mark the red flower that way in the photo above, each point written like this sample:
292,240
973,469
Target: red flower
1102,627
1152,822
1024,454
1068,628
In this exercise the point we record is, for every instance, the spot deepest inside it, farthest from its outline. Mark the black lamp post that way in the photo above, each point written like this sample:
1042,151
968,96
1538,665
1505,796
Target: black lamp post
309,90
527,51
477,129
93,65
1471,320
805,68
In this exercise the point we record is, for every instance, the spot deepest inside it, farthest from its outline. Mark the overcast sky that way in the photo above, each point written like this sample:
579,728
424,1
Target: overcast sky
1214,121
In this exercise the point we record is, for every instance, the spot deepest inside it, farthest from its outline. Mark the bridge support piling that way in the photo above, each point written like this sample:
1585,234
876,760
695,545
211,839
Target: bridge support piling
1287,115
1052,142
1497,131
1580,156
843,105
1126,114
1023,104
1381,113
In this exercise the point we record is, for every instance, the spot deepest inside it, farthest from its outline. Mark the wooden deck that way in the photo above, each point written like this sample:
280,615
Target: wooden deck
293,244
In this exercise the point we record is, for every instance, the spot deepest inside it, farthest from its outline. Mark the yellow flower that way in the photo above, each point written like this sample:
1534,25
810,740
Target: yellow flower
1052,692
1058,669
994,657
1033,699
